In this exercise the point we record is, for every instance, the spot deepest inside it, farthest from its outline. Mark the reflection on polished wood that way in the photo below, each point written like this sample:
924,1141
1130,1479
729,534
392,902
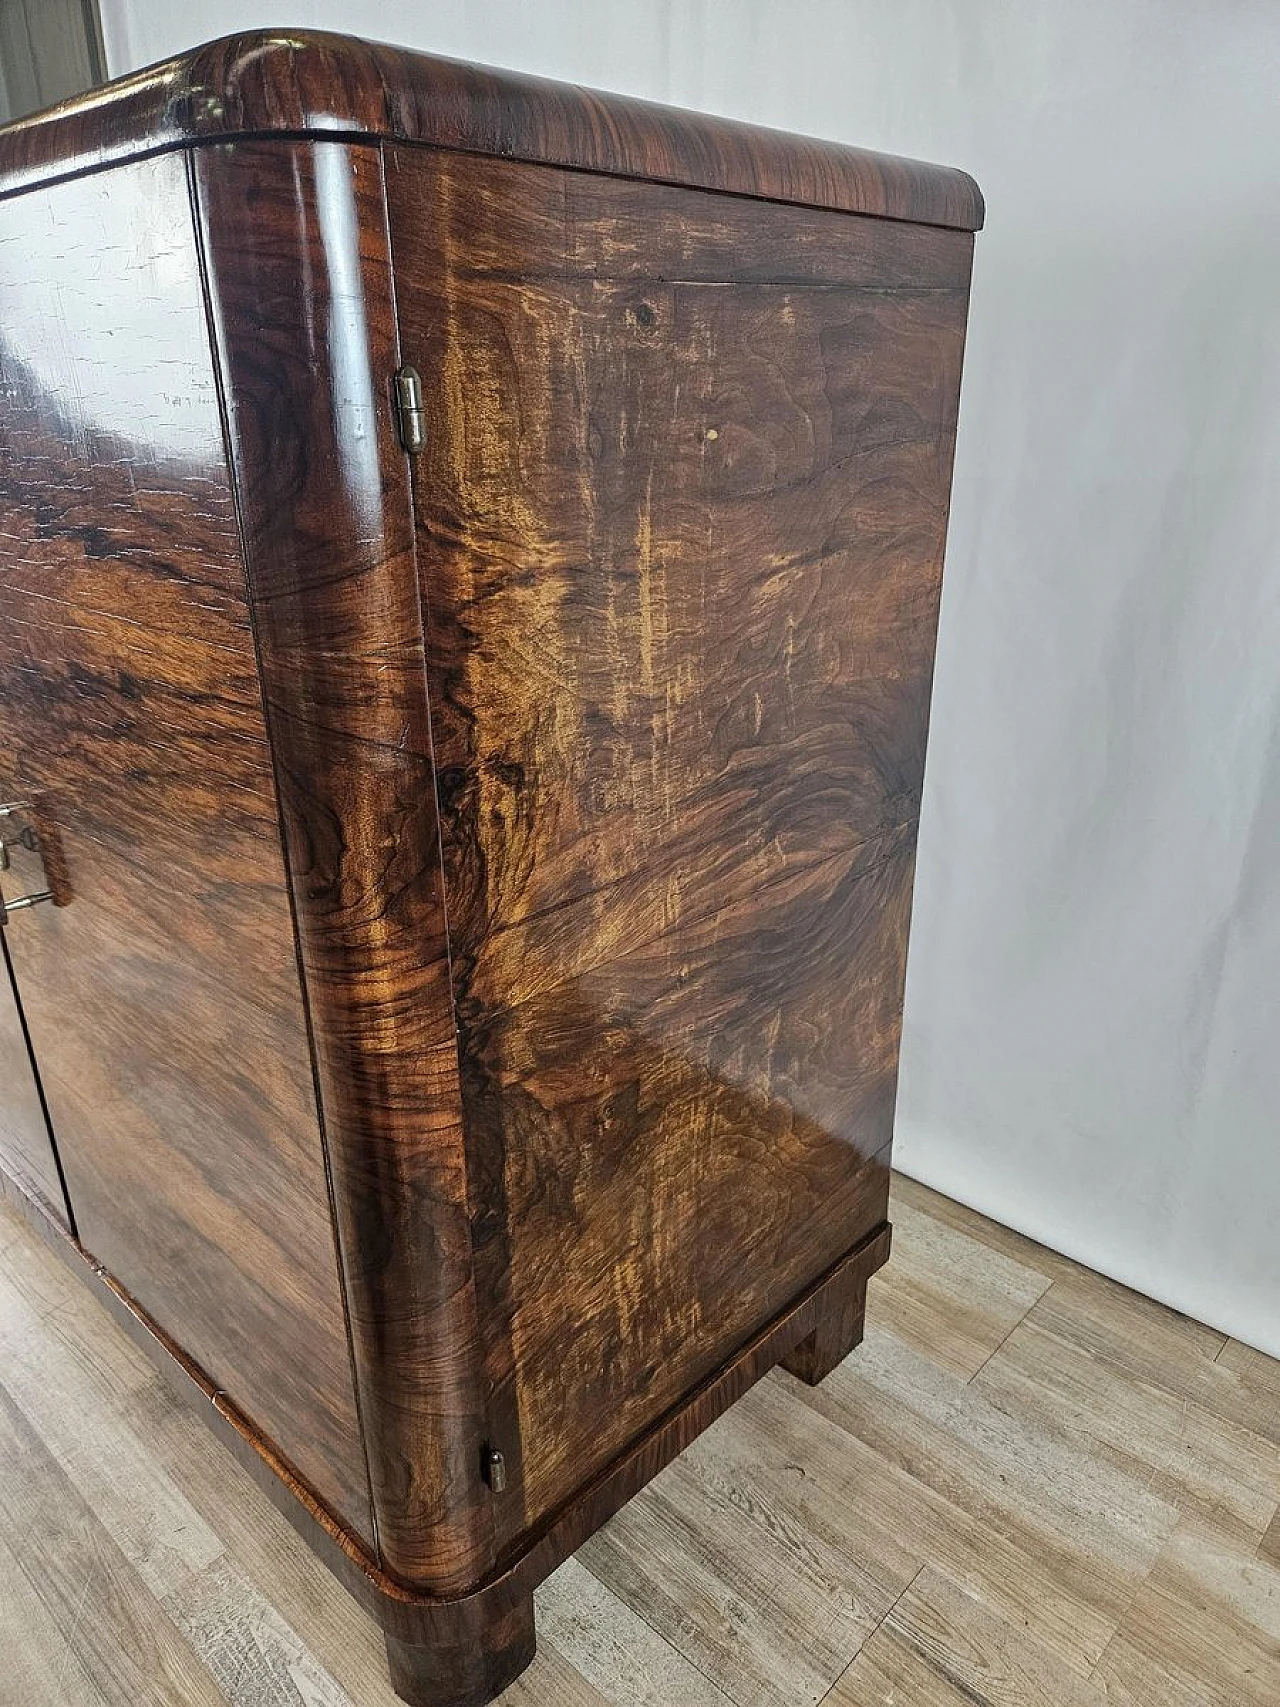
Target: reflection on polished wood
683,684
309,81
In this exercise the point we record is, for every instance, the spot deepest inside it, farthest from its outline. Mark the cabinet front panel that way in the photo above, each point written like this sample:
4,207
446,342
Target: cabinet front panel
160,986
681,514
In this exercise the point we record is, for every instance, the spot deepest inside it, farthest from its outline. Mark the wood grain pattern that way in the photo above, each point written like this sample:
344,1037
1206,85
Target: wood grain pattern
957,1301
112,1630
839,1333
1215,1469
1208,1620
161,992
305,81
680,541
1038,1489
941,1647
593,750
302,300
485,1650
759,1554
1107,1321
1250,1363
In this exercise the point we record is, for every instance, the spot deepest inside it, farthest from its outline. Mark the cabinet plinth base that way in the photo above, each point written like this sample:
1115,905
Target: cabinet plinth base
837,1334
488,1650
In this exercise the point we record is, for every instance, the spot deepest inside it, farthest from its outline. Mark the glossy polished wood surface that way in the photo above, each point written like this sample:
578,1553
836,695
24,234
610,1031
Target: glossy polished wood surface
470,1012
26,1144
300,283
308,81
681,518
162,994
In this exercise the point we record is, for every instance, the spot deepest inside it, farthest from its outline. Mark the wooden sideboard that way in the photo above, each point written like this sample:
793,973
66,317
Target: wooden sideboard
469,564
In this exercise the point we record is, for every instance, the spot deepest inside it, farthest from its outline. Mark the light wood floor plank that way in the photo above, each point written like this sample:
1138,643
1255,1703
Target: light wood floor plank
1207,1617
278,1628
71,1317
39,1668
1179,1450
269,1553
251,1652
615,1649
941,1647
112,1627
1130,1678
990,1235
730,1568
949,1297
551,1678
1153,1344
1096,1529
888,1505
1253,1365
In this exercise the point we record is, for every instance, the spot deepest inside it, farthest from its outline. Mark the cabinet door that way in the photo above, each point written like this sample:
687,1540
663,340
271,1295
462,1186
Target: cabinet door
161,987
26,1145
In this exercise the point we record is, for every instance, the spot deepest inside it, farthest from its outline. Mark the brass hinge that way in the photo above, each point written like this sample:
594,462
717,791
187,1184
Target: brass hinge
23,880
495,1470
409,416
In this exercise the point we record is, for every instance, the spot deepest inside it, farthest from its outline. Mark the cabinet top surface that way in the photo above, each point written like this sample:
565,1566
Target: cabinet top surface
305,82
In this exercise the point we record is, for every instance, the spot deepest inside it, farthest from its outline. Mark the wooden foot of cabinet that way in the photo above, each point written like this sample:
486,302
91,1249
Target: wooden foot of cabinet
488,1648
836,1335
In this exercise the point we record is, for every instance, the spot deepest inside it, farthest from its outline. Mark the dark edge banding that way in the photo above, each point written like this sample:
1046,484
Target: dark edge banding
294,83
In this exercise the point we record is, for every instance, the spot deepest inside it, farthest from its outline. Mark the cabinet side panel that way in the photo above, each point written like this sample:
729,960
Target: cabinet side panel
301,291
162,990
681,518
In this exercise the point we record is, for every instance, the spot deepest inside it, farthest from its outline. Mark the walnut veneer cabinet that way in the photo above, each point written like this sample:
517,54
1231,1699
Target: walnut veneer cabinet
469,560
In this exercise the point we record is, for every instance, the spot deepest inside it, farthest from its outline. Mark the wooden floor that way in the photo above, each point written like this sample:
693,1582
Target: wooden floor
1029,1486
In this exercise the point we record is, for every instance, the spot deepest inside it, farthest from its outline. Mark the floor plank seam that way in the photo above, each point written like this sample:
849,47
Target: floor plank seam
1013,1330
1138,1588
1092,1674
870,1636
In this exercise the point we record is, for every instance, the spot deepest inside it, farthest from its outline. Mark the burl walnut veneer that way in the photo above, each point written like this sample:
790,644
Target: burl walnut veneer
469,563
